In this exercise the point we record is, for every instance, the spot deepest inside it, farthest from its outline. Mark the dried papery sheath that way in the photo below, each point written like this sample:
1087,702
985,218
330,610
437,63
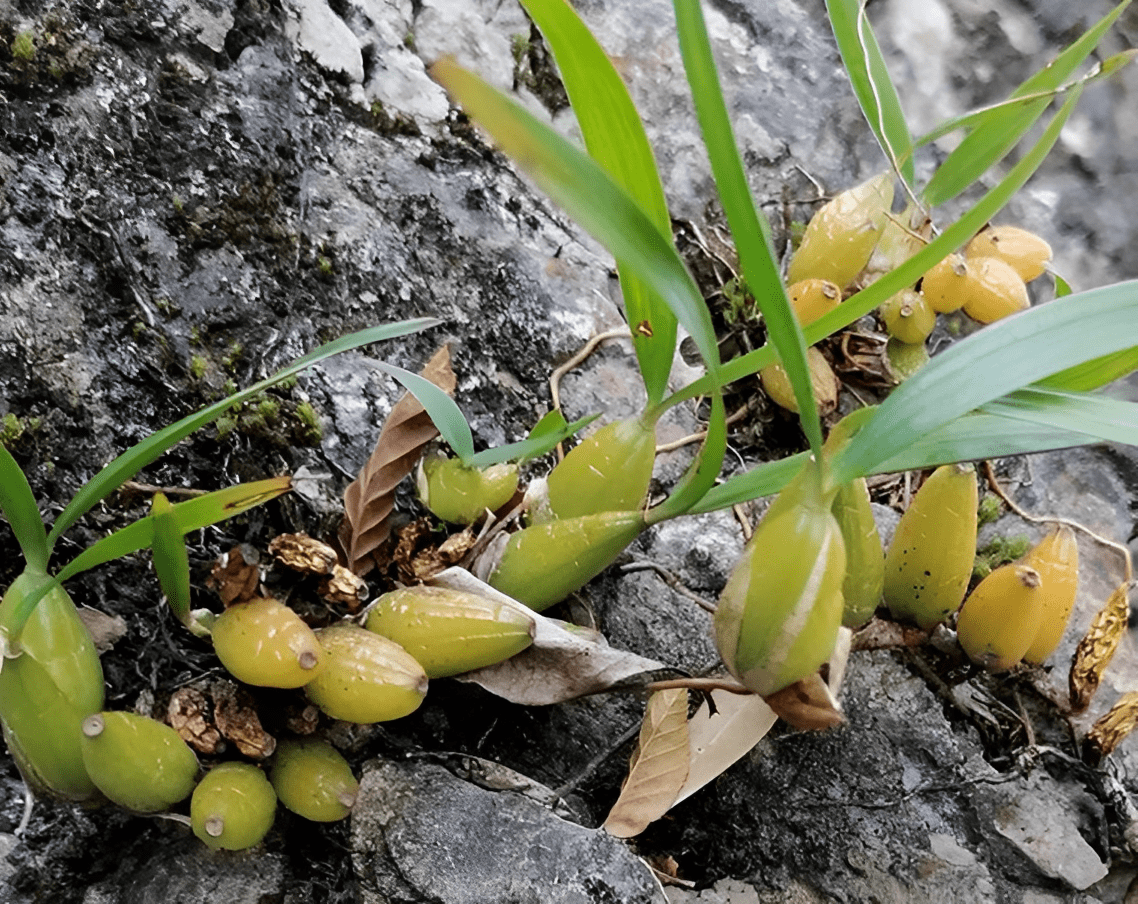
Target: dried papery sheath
1098,646
1110,730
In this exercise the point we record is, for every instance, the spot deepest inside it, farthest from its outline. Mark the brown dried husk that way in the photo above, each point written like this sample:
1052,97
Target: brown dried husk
1097,647
370,498
1109,731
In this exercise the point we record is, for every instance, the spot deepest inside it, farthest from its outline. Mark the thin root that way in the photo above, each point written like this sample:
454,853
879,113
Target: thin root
587,349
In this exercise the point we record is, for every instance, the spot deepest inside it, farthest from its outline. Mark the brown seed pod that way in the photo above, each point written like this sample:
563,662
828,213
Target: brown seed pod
1098,647
994,290
1024,251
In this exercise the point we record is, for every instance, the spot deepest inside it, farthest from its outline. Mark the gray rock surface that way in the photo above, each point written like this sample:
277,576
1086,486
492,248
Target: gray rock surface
420,833
196,191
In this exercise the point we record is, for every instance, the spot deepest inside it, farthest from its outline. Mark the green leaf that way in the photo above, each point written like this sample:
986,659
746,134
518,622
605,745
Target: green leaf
763,480
171,562
140,455
19,506
703,472
193,514
615,138
1062,287
905,275
441,409
591,197
875,91
541,439
1003,357
998,130
1094,373
1105,418
748,227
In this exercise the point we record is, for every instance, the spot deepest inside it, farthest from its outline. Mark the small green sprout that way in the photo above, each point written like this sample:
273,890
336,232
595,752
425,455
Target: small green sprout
999,551
198,367
310,430
24,47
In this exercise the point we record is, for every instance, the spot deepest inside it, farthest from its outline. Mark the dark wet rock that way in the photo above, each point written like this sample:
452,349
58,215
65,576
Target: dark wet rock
422,834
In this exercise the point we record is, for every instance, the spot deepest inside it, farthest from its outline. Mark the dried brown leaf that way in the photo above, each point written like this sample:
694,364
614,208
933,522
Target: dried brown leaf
1097,647
237,720
564,662
188,713
718,740
808,705
344,587
658,767
303,553
370,498
1109,731
106,630
236,574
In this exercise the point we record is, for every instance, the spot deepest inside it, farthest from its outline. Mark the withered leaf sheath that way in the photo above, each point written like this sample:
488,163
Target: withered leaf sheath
450,631
606,472
233,807
1001,617
1056,558
929,561
313,780
46,691
1098,647
138,763
544,563
778,617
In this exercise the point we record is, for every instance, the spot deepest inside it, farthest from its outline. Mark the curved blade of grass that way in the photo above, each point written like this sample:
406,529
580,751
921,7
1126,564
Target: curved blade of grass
191,515
18,504
537,443
1094,373
701,476
140,455
577,183
978,436
748,227
1003,357
997,131
171,562
1105,69
440,408
1114,420
909,272
872,85
615,138
763,480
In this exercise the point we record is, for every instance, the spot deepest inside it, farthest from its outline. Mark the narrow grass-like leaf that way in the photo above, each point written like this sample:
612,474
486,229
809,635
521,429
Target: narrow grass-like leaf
1094,373
1003,357
533,445
872,85
615,138
18,504
905,275
1000,129
703,472
748,226
440,407
576,182
1062,287
140,455
1114,420
762,480
171,562
193,514
980,435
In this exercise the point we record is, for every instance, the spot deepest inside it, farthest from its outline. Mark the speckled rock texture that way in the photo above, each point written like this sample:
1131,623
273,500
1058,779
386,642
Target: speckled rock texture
195,192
